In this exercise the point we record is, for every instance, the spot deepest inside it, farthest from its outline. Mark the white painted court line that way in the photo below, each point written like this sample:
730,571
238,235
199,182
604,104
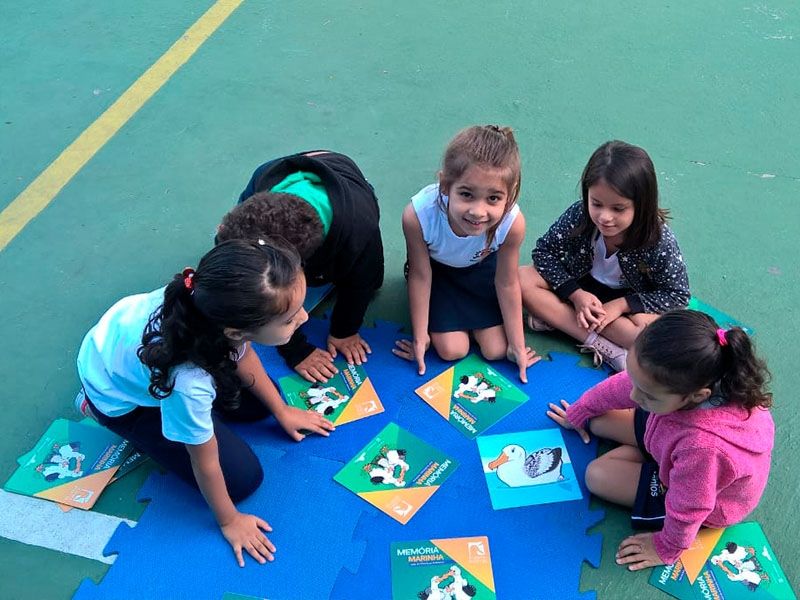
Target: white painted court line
39,522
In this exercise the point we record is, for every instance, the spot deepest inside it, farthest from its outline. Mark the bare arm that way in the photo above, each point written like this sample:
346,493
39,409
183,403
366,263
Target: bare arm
242,531
419,290
509,295
293,420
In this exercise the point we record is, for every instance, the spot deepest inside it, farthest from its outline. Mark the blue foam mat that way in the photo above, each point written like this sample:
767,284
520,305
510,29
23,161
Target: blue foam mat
332,544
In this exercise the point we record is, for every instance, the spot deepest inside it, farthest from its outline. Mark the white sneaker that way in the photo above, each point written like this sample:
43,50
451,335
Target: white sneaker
604,351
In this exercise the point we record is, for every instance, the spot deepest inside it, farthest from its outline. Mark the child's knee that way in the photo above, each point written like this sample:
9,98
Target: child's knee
494,350
451,351
596,476
530,279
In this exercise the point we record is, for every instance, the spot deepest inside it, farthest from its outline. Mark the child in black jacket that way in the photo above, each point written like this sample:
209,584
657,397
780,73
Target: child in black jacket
322,204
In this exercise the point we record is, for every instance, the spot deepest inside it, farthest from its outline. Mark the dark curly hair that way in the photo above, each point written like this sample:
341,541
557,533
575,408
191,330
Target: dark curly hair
682,351
238,284
270,214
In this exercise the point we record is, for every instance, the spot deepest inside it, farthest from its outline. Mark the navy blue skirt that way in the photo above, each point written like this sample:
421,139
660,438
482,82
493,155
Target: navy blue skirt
464,298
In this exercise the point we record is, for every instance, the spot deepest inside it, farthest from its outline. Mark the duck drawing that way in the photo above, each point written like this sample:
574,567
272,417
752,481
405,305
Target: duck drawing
517,468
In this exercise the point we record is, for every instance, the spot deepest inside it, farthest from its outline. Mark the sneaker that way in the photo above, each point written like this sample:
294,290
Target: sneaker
536,324
82,405
604,351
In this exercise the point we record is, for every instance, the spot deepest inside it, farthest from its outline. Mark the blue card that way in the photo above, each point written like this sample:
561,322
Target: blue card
528,467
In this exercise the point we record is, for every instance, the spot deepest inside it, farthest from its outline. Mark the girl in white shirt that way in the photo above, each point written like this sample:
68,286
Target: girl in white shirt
163,370
463,236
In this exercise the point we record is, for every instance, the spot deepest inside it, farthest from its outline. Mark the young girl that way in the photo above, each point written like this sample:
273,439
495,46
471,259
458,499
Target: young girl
691,415
609,265
463,236
163,369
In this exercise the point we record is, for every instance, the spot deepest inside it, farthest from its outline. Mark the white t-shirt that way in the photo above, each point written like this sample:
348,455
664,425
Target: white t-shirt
606,270
116,381
444,245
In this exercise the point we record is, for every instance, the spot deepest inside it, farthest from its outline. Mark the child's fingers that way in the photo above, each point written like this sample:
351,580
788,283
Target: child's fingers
365,345
237,551
266,527
420,364
584,435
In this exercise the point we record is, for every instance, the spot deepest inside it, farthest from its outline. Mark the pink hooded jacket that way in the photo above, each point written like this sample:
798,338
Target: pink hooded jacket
713,461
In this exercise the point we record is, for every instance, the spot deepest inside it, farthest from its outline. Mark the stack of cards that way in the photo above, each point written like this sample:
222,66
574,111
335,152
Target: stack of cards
732,563
347,396
71,464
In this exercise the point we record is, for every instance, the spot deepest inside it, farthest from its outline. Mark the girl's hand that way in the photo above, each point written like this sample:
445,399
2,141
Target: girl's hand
317,366
298,423
638,552
354,348
613,310
413,350
244,532
589,311
559,415
524,357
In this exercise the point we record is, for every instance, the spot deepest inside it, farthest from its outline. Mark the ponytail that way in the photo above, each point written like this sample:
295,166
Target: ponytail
746,375
685,350
238,284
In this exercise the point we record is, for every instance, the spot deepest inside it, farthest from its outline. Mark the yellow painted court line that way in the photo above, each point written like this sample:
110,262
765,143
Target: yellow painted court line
49,183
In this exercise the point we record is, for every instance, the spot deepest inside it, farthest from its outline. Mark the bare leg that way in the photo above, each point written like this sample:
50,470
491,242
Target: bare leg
451,345
538,299
624,330
492,342
615,425
614,476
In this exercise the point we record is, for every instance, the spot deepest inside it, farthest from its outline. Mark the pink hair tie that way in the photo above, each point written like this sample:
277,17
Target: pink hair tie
722,336
188,278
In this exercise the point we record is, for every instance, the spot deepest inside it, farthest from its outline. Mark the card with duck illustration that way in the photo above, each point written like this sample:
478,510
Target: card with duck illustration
70,464
735,563
446,569
528,467
472,395
396,472
347,396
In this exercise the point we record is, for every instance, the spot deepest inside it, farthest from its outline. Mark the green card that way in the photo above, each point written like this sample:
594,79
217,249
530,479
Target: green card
724,320
347,396
396,472
472,395
742,565
451,568
70,464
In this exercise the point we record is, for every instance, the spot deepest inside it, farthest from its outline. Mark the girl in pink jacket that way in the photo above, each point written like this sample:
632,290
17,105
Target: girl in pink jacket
691,416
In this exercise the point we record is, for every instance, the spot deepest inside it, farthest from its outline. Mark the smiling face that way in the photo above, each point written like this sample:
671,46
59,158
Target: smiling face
611,213
477,200
655,397
280,328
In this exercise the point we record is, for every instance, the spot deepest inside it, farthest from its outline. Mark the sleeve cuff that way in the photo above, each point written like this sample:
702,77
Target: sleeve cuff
565,289
635,303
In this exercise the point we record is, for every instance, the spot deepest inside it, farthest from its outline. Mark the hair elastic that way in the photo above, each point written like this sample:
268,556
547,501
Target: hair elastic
722,337
188,277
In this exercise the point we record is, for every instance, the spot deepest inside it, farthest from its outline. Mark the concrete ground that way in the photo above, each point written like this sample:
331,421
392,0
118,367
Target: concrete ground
710,89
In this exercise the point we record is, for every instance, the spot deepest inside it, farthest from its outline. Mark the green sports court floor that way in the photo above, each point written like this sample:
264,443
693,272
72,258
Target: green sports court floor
710,89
